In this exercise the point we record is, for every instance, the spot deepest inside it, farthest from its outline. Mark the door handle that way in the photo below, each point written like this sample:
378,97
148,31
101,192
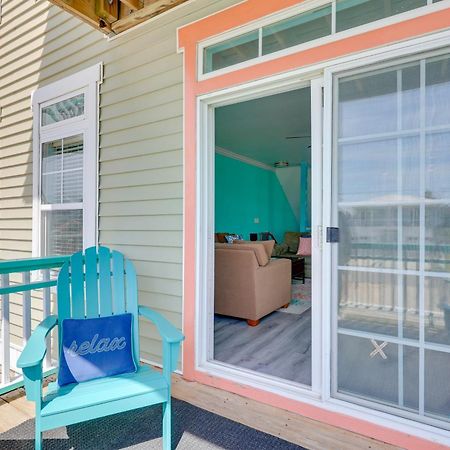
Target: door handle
332,235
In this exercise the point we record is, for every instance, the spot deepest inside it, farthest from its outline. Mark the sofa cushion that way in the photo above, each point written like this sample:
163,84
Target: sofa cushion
257,248
304,246
268,245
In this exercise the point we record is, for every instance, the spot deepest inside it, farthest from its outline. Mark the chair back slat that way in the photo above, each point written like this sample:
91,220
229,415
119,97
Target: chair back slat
77,285
63,295
132,304
104,265
118,282
91,270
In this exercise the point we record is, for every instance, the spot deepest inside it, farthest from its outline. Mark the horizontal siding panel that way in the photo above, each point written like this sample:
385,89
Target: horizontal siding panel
154,192
150,253
146,162
148,131
15,202
161,301
139,60
25,190
144,208
51,27
21,224
151,145
15,181
18,235
166,288
144,177
137,223
150,84
15,213
169,271
10,244
7,254
143,102
168,238
51,50
140,118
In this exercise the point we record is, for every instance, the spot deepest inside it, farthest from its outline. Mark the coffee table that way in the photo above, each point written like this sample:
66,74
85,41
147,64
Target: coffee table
297,267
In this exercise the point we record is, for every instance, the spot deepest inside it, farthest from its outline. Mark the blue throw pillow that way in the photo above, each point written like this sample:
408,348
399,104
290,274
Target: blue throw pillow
95,348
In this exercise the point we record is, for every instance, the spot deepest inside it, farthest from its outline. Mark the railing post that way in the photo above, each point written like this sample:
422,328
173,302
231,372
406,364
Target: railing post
46,310
26,313
5,361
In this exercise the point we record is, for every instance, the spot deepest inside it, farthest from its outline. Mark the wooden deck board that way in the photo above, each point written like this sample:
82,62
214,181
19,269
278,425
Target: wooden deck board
15,409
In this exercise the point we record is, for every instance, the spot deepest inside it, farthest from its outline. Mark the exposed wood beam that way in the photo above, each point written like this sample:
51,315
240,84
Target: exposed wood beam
84,10
147,12
107,10
132,4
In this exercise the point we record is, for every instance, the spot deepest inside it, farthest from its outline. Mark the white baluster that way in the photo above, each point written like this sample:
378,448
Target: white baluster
5,361
46,312
26,313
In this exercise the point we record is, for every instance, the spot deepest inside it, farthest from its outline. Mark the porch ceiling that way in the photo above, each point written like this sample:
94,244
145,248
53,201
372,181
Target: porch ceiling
115,16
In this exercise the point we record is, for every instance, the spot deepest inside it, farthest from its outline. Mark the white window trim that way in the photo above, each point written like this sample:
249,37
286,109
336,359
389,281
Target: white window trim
86,81
204,362
305,6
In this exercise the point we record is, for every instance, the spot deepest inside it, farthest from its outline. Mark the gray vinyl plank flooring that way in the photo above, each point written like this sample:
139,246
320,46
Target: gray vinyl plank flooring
279,346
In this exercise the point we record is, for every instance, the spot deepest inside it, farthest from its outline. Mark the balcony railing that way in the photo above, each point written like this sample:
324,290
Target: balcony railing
18,280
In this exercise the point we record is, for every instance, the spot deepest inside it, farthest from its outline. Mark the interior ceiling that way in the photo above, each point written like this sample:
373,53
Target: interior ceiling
258,128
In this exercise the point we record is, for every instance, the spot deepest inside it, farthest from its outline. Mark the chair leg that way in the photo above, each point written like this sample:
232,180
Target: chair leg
37,437
167,425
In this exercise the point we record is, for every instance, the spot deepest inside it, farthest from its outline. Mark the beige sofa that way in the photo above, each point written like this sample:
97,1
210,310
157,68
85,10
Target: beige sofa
248,284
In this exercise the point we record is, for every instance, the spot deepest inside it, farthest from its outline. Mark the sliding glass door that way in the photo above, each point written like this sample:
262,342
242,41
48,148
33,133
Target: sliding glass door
391,267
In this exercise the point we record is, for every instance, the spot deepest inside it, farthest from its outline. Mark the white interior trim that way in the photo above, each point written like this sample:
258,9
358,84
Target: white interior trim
245,159
87,82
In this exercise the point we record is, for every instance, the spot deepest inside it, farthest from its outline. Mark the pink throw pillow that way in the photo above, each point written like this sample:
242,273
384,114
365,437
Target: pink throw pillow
304,246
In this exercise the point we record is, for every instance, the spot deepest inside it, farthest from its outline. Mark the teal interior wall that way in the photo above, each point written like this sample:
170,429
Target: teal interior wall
244,192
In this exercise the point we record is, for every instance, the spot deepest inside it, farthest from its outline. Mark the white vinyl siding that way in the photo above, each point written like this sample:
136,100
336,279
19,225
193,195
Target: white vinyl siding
140,142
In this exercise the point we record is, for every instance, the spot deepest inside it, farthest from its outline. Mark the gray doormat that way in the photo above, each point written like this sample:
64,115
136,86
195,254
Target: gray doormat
193,428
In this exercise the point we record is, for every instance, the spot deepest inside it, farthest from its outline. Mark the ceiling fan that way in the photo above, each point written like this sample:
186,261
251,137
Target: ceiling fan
304,136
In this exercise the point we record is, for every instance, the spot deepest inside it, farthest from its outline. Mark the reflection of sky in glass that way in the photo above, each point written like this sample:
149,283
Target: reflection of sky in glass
63,110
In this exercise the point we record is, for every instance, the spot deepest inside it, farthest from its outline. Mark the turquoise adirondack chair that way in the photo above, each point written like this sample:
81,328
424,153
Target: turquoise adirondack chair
99,283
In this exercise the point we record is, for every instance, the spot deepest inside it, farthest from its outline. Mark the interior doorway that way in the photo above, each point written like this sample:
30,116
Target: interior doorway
263,236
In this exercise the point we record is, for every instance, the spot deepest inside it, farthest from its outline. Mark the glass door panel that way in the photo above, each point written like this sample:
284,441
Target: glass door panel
391,269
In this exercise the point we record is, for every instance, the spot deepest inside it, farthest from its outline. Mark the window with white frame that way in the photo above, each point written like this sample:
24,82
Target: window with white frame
65,164
317,19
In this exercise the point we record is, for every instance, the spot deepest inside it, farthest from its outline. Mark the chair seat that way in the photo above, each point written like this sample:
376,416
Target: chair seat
106,390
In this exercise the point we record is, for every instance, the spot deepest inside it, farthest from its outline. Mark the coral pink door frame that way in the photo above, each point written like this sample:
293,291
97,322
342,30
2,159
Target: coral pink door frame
189,37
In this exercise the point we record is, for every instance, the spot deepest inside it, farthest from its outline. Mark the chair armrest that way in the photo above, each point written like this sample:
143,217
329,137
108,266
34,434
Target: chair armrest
35,350
167,331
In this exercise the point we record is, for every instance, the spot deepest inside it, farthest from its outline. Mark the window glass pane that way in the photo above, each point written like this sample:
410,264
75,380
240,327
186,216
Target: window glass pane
63,110
372,369
73,169
437,95
62,171
351,13
437,393
230,52
437,310
52,156
51,188
296,30
63,232
437,238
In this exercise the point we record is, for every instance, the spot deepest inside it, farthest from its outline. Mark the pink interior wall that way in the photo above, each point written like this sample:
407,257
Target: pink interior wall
189,36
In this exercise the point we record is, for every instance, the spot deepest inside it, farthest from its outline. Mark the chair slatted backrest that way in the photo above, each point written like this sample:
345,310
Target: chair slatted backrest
98,283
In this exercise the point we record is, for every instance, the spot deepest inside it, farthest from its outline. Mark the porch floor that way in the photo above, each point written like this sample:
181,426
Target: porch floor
15,409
